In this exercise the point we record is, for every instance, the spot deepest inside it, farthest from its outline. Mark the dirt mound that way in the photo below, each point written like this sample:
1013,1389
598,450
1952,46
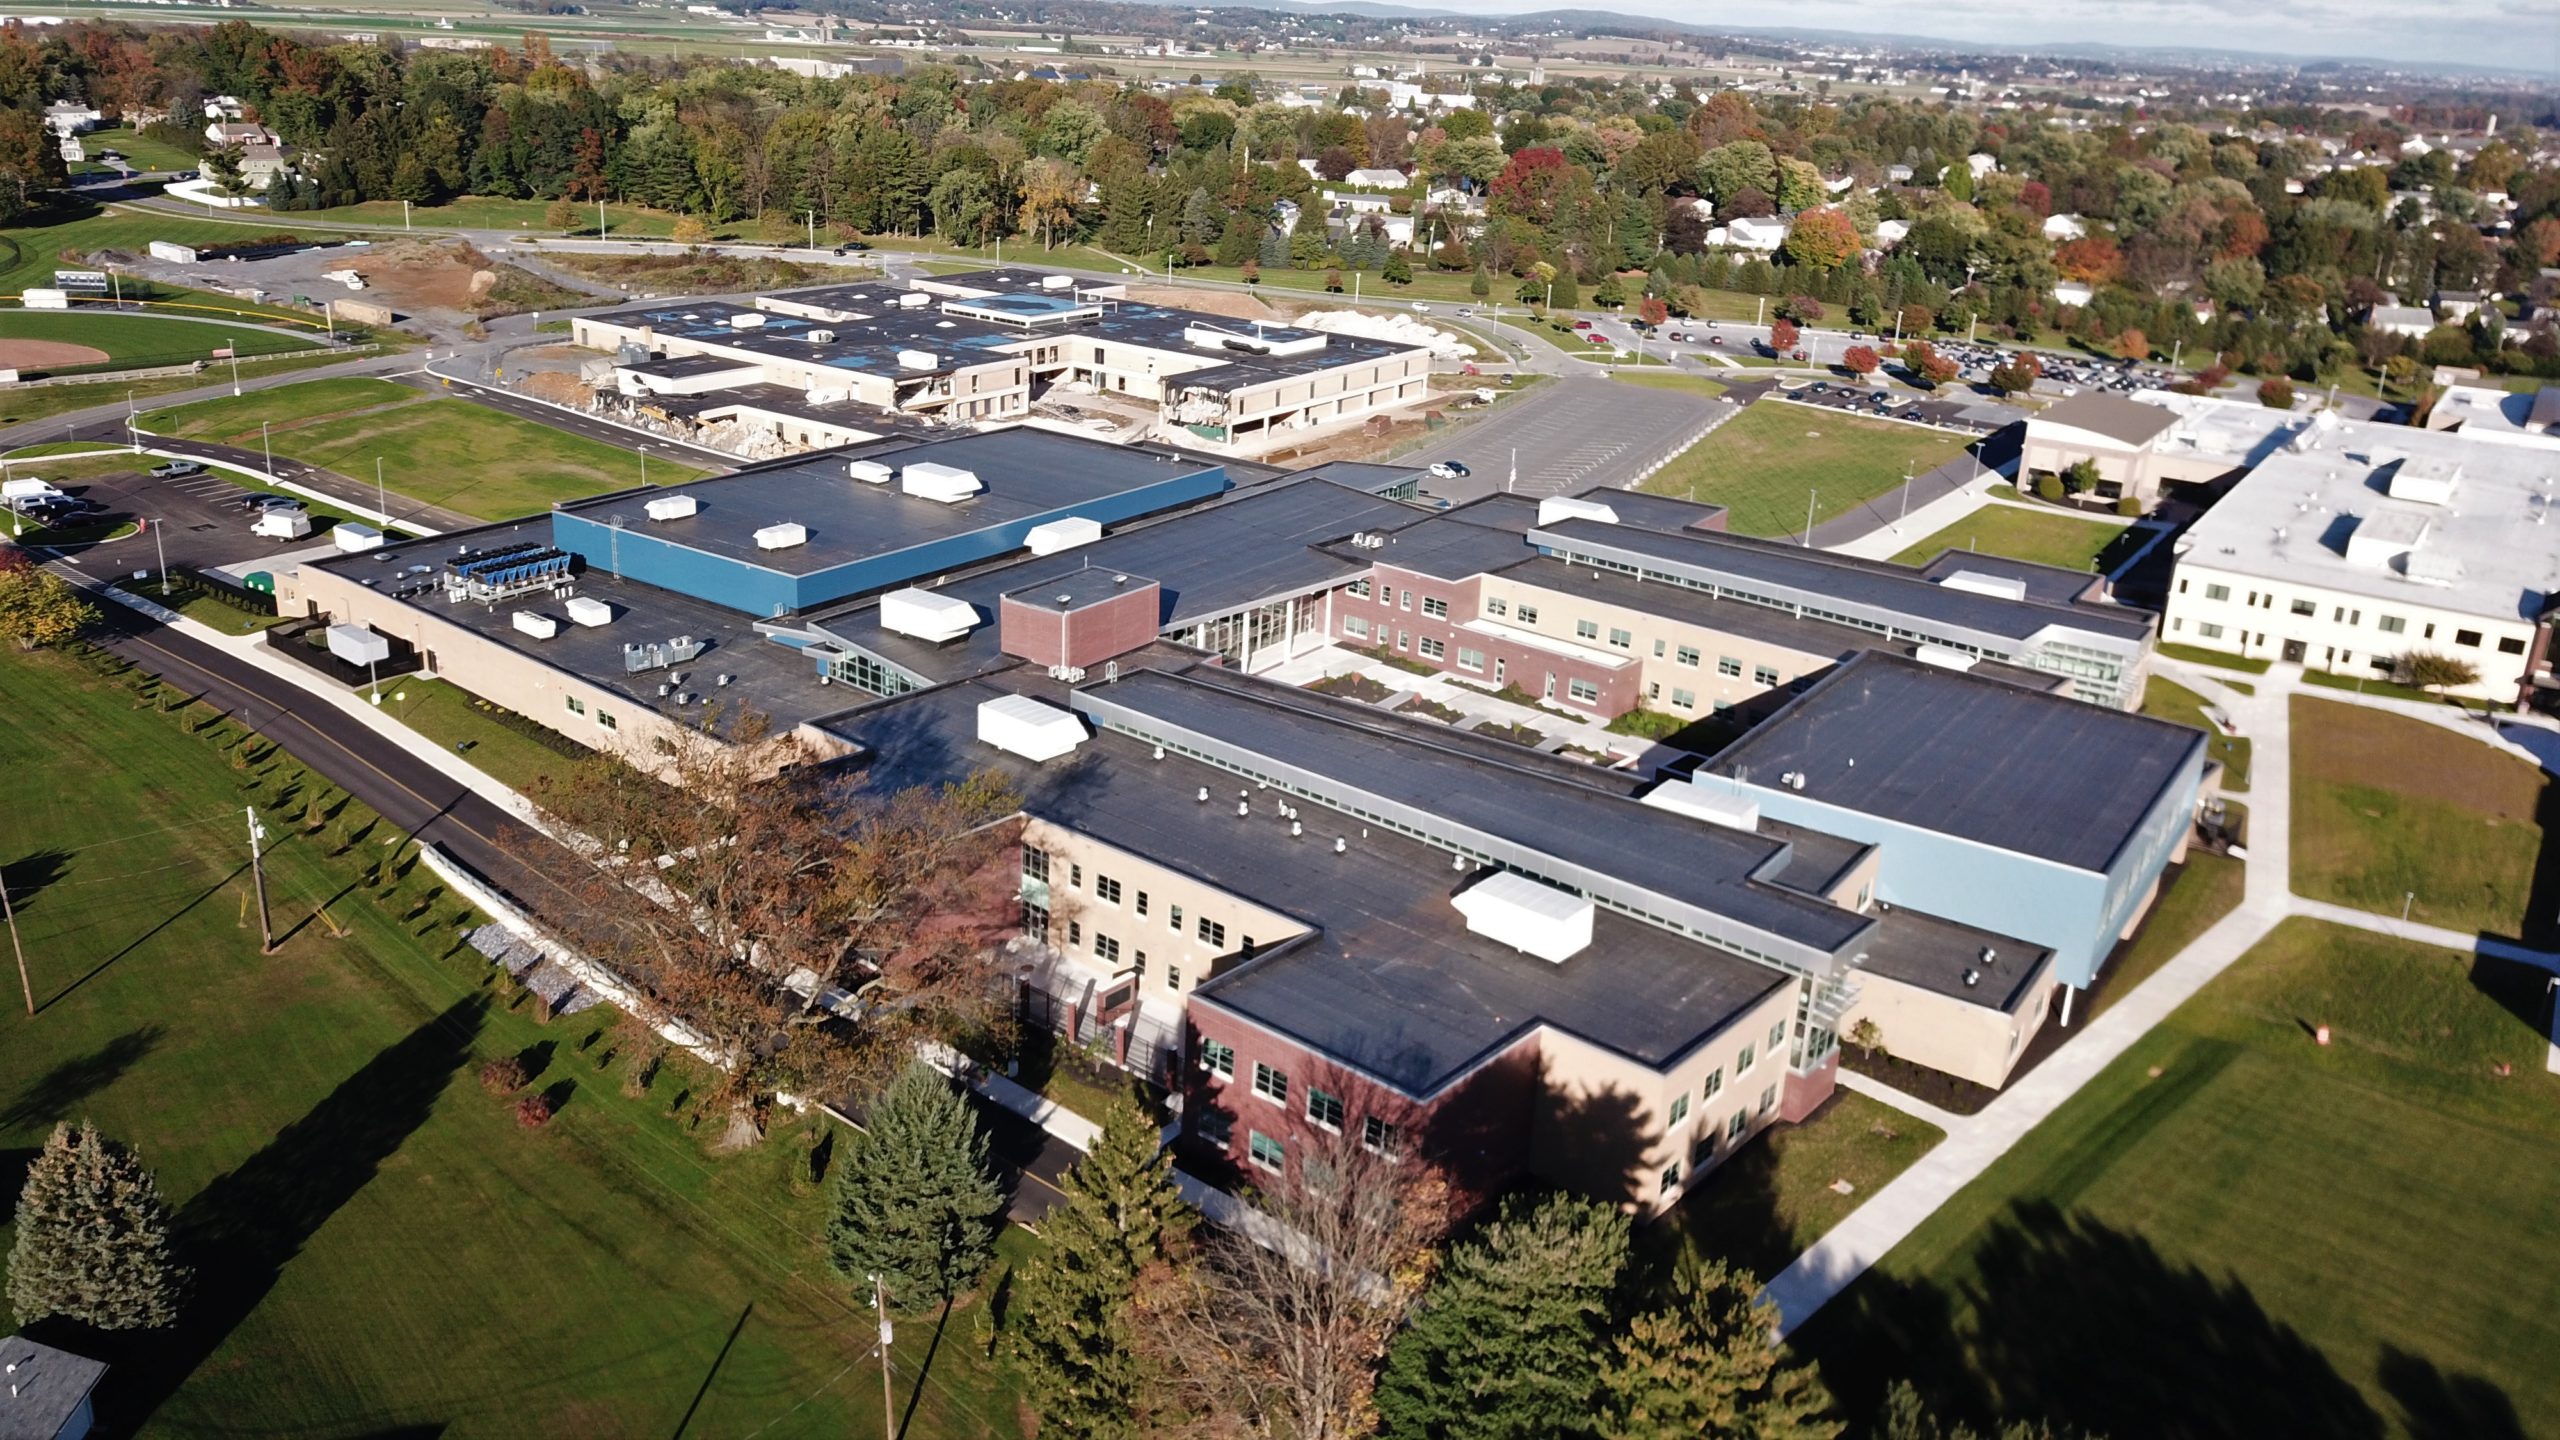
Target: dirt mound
46,354
559,387
1234,304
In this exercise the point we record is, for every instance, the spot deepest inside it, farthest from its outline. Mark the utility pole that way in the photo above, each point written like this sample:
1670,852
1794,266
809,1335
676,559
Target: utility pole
163,552
888,1401
10,913
234,347
258,876
268,446
381,497
1809,497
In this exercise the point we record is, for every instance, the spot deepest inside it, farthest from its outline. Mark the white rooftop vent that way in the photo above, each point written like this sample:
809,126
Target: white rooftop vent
748,321
1946,657
1976,583
1560,507
588,610
1057,282
1531,917
539,626
914,300
917,360
355,535
927,616
933,480
2427,486
358,645
672,507
1057,535
782,537
871,472
820,337
1715,806
1032,729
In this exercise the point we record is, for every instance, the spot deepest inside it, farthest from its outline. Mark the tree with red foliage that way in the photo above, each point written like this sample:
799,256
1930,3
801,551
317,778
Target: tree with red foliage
2037,197
1532,186
2242,235
1924,361
1860,360
1782,334
1653,310
2092,260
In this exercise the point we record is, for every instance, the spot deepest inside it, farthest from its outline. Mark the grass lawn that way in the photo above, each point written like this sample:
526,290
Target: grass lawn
2063,540
1762,462
440,450
2384,806
352,1198
2218,659
2169,700
2234,1233
457,718
2371,683
43,401
66,235
143,340
2206,888
474,212
1684,382
1762,1208
139,150
200,606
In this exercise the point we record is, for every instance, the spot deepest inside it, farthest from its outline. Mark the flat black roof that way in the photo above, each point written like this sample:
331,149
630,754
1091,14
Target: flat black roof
1078,589
2046,584
1025,472
1653,512
1928,953
1445,548
1941,750
1363,475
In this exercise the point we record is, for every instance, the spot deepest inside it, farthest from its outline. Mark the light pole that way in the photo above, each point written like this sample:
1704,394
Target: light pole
2407,900
258,875
404,215
132,423
644,467
1809,497
381,497
161,550
233,347
813,229
1906,498
599,217
268,446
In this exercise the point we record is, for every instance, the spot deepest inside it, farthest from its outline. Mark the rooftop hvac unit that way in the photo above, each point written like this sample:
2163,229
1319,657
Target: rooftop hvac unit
820,337
1716,807
2423,486
871,472
1529,916
782,537
1057,535
672,507
1946,657
540,627
933,480
358,645
927,616
1057,282
354,535
1559,507
748,321
1020,725
914,300
589,611
1976,583
918,360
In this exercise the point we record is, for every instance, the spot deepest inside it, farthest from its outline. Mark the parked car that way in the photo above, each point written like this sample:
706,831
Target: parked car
1448,470
1466,312
175,469
1581,324
1715,339
1421,308
263,502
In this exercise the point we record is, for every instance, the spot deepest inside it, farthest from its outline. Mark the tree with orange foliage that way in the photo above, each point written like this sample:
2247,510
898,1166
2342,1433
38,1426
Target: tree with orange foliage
2091,259
2132,344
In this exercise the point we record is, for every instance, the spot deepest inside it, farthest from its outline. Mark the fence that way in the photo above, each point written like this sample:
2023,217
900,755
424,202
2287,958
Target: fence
1155,1050
222,588
293,640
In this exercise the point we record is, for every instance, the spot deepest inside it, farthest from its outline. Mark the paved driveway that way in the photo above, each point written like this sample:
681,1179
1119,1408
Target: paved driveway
1571,434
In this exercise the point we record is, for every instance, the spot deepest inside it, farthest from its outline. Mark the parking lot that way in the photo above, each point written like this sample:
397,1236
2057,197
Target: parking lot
1570,435
197,521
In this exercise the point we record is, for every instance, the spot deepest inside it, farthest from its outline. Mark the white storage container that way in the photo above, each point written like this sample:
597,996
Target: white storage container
782,537
932,480
354,535
589,611
540,627
671,507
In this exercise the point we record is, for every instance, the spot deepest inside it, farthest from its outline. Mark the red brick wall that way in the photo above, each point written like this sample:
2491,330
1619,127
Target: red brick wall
1085,637
1804,1093
1526,666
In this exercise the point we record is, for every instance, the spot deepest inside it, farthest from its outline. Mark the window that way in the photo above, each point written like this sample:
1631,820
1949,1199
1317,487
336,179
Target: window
1107,889
1777,1037
1075,932
1497,607
576,705
1212,933
1173,917
2217,592
2305,607
1216,1125
1740,1122
1268,1153
1715,1082
1324,1110
1431,649
1075,876
2468,639
1404,600
1138,965
1106,949
1358,589
1403,641
1142,902
1727,665
2209,631
1035,863
1435,607
1587,629
1270,1084
1671,1177
2511,645
1528,614
2390,624
1378,1135
1172,978
1218,1058
605,719
1684,699
1356,627
1679,1108
1584,691
1742,1063
1768,1099
1470,659
1622,639
1688,656
1657,650
1764,675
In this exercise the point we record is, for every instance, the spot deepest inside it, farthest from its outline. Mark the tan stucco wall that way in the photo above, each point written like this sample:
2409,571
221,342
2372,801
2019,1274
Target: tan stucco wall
1969,1041
1168,952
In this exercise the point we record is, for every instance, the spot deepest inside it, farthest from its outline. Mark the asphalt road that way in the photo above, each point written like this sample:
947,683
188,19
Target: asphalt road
1571,434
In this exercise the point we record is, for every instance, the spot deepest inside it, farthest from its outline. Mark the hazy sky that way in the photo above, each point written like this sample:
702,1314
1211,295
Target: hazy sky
2524,34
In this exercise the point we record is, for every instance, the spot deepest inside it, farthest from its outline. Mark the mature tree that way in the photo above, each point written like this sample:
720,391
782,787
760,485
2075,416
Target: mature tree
2132,344
2091,259
1251,1339
914,1202
222,166
805,930
2432,670
2276,393
93,1238
1822,239
1702,1368
963,205
1509,1341
36,607
689,230
30,163
1071,1321
1050,191
1906,1418
1861,359
1927,365
2080,477
1783,334
2017,376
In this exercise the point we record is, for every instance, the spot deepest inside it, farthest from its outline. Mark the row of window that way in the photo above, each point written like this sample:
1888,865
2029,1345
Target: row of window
1703,1149
604,717
1323,1109
1108,890
1502,608
1742,1064
2388,624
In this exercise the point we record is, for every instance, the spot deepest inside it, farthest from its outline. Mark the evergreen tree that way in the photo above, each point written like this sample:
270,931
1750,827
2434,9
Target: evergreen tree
1199,223
93,1238
1237,245
1508,1342
1398,270
1274,253
1702,1368
914,1203
1068,1319
1308,243
1568,291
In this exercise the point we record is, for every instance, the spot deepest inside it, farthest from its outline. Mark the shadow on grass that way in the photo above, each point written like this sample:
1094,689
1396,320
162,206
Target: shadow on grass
2437,1406
29,875
686,1420
924,1367
241,1231
145,938
2072,1322
54,1094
